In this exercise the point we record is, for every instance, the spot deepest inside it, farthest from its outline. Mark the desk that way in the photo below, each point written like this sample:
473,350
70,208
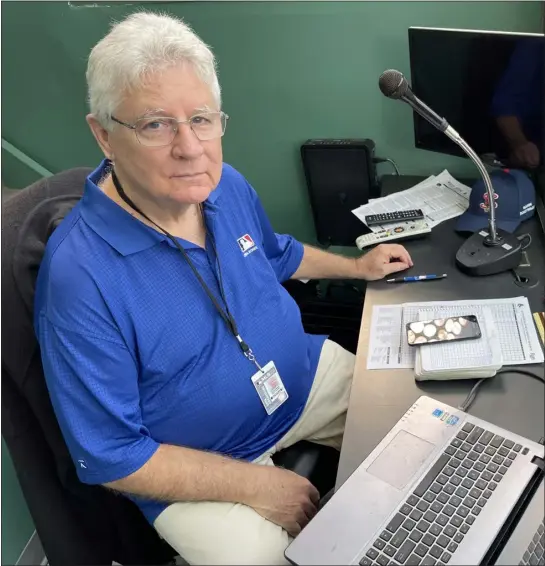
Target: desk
380,397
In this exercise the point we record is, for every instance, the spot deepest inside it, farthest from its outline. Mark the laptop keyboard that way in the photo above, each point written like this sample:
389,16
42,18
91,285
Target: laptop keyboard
534,554
432,522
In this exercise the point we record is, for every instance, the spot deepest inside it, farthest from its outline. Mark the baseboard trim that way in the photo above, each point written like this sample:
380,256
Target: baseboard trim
33,553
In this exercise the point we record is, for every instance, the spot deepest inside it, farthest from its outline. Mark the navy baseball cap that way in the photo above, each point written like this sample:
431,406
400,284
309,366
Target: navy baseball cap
515,201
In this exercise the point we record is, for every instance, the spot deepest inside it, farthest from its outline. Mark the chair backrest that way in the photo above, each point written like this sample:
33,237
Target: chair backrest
76,523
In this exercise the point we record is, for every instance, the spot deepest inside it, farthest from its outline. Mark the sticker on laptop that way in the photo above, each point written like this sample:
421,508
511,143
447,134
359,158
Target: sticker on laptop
446,417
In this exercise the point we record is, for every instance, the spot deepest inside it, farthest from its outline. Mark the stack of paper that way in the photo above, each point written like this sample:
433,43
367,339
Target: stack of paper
439,197
464,359
388,347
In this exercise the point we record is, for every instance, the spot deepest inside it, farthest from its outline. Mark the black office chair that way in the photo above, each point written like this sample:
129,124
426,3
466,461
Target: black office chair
77,524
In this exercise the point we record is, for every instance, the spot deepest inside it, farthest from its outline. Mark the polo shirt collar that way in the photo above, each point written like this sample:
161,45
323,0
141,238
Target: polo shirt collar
115,225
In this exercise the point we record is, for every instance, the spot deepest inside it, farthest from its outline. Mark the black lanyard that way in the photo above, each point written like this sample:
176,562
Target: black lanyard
225,314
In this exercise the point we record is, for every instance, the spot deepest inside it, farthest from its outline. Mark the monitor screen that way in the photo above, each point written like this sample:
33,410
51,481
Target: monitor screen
490,87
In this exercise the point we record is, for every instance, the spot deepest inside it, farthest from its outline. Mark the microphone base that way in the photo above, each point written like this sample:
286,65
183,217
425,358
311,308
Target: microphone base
477,257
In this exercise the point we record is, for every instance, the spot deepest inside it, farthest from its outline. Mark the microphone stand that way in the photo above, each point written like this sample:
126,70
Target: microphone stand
493,239
486,253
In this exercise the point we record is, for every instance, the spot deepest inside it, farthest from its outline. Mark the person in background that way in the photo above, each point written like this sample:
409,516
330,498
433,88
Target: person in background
176,361
518,104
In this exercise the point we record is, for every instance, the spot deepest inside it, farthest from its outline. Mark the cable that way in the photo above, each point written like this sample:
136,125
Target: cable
393,165
473,393
384,160
523,372
471,396
523,237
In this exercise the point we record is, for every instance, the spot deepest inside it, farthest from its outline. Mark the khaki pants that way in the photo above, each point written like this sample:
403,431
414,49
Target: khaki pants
228,533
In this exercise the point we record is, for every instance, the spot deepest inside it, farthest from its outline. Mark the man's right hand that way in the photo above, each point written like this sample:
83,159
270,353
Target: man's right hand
285,498
525,155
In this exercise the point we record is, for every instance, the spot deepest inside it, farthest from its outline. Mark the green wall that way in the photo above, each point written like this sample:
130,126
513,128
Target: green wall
15,174
289,71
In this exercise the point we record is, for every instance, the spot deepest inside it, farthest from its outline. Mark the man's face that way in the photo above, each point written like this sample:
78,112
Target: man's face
187,170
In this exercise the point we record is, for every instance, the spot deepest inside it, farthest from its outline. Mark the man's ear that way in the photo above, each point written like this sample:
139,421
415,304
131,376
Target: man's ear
101,135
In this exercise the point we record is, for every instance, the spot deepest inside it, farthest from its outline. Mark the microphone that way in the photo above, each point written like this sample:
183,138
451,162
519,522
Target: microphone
394,85
501,251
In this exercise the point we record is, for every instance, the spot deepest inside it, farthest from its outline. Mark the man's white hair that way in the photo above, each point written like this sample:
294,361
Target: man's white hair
135,48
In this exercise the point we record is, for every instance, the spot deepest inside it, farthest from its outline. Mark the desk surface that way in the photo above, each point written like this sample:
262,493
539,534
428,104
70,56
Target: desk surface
380,397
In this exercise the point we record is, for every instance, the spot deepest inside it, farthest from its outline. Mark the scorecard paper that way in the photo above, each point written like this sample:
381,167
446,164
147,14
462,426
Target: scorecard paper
388,348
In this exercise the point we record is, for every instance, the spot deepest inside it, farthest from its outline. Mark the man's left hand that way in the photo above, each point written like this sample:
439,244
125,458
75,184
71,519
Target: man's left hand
383,260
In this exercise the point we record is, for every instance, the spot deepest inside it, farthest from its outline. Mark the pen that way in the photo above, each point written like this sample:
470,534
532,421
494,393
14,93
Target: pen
415,278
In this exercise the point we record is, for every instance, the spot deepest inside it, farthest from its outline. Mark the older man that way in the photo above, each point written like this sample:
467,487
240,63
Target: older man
176,362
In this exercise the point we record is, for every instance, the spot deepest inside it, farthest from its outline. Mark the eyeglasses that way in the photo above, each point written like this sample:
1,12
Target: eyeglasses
157,131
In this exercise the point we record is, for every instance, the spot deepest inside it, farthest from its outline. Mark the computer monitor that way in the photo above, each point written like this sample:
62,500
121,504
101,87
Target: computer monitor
490,86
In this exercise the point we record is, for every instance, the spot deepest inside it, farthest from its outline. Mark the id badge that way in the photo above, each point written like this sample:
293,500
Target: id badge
269,387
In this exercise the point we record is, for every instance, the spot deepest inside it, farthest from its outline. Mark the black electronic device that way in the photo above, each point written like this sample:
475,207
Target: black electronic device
340,176
486,83
443,330
397,216
488,251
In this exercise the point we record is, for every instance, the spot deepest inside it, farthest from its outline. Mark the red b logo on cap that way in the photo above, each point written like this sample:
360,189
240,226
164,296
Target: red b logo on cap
486,204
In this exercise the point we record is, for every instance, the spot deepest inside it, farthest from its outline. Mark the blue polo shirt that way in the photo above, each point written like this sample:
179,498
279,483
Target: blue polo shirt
521,90
135,353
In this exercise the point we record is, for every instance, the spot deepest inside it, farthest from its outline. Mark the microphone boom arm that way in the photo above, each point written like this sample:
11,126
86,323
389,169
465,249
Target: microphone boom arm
452,134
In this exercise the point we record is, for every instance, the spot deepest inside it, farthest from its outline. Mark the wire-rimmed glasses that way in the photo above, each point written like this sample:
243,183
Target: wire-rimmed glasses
157,131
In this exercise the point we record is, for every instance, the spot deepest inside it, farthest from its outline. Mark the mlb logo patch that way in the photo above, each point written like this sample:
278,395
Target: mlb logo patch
246,244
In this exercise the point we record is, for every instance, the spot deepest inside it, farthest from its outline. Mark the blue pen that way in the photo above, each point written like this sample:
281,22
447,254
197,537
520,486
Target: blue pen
415,278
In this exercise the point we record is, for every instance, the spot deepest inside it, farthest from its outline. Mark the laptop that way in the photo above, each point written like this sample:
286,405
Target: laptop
442,487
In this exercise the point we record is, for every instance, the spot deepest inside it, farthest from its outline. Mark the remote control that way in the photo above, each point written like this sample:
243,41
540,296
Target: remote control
416,230
389,217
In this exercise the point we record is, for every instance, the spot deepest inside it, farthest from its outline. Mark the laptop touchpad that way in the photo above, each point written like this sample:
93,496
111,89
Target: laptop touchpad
401,459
